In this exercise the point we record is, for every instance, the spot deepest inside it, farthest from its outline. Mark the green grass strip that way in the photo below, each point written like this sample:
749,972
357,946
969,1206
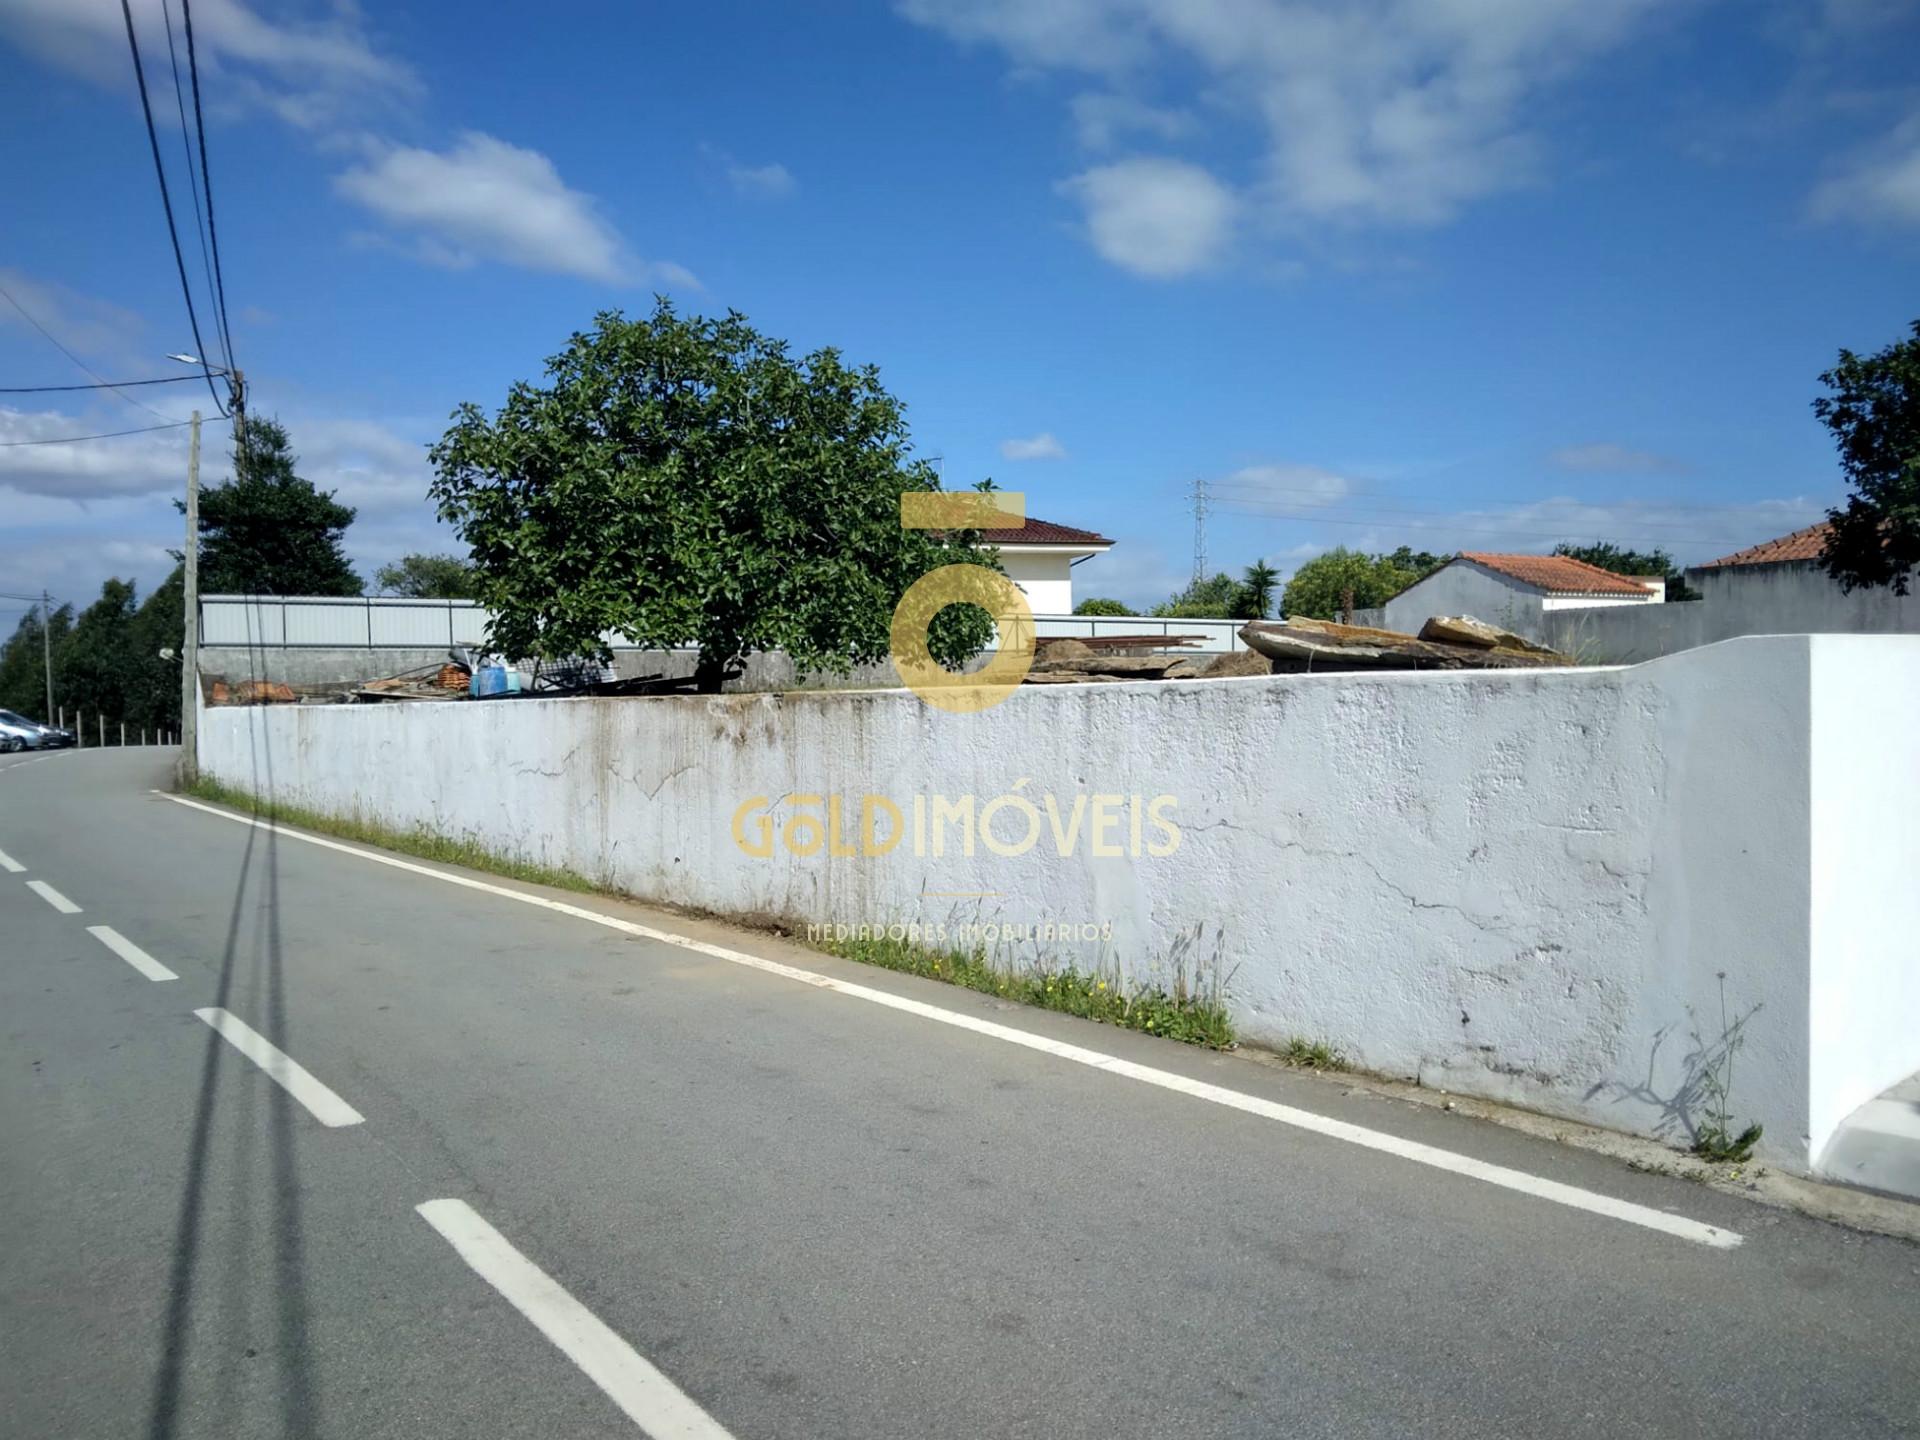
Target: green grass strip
1154,1010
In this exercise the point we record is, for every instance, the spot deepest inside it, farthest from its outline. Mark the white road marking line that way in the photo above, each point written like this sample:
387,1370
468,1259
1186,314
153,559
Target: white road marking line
650,1399
11,865
292,1077
53,897
130,952
1517,1180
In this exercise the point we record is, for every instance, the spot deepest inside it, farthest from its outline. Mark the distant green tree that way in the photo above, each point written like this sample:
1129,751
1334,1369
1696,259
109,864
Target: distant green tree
1095,605
686,481
1320,588
1215,598
23,674
107,665
91,666
427,577
1873,411
267,531
1257,591
1420,562
1633,562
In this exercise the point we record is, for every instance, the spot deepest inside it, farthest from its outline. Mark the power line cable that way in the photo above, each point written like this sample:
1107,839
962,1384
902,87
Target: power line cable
1392,524
101,385
206,181
104,435
186,146
52,340
166,202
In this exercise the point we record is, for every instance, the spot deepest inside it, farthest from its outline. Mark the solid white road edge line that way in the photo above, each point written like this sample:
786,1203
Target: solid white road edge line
650,1399
130,952
1517,1180
286,1072
53,897
11,865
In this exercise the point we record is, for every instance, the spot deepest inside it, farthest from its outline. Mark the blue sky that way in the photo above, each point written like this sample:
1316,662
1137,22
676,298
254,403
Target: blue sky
1474,274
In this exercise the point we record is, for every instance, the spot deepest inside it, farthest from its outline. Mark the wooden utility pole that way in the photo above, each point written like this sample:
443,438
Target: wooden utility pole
46,647
190,650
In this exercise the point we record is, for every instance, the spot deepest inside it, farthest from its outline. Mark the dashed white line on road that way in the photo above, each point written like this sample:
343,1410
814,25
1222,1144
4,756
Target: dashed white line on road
11,865
130,952
53,897
650,1399
286,1072
1519,1181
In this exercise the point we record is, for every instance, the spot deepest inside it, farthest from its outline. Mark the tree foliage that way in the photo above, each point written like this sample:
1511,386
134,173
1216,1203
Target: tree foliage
106,661
685,481
1873,411
1214,598
1320,587
1257,592
1633,562
1096,605
427,577
267,531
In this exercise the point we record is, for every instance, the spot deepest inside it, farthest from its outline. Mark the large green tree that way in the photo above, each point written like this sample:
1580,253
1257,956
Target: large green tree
1099,605
427,577
1321,588
682,480
1215,597
1622,561
1873,410
268,531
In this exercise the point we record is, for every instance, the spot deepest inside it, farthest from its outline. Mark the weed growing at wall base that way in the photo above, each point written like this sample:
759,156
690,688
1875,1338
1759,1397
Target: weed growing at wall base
1176,1012
420,841
1179,1011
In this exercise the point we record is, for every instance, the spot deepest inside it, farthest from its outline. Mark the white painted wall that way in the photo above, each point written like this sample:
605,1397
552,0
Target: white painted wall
1793,599
1045,579
1864,985
1515,885
1466,589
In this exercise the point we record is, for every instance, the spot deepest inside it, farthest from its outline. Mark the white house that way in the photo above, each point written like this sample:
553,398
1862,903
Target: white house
1039,557
1516,591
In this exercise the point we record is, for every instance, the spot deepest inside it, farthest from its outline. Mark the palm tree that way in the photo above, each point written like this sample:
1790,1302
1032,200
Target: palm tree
1257,590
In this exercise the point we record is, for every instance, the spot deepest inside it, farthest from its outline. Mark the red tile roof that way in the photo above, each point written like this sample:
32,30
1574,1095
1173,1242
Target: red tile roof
1042,532
1561,574
1800,545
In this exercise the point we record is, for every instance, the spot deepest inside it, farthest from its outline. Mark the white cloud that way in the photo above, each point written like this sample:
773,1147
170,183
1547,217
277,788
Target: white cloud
1103,120
1610,459
1294,485
1040,447
488,200
1880,185
766,182
312,72
1370,112
94,329
1156,217
89,469
1689,532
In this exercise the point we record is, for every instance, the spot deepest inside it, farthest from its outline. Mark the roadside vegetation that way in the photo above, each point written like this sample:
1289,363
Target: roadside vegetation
419,842
1186,1010
1183,1012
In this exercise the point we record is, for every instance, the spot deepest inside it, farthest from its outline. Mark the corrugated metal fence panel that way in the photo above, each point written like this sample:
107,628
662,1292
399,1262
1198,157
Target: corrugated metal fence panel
414,624
410,623
227,621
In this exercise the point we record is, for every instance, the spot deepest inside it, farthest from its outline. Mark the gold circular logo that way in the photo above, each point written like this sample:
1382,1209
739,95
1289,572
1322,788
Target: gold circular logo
963,584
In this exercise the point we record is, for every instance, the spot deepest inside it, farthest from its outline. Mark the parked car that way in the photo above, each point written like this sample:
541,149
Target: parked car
17,734
31,734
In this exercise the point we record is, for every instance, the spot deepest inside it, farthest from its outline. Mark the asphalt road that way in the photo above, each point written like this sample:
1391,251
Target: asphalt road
736,1202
